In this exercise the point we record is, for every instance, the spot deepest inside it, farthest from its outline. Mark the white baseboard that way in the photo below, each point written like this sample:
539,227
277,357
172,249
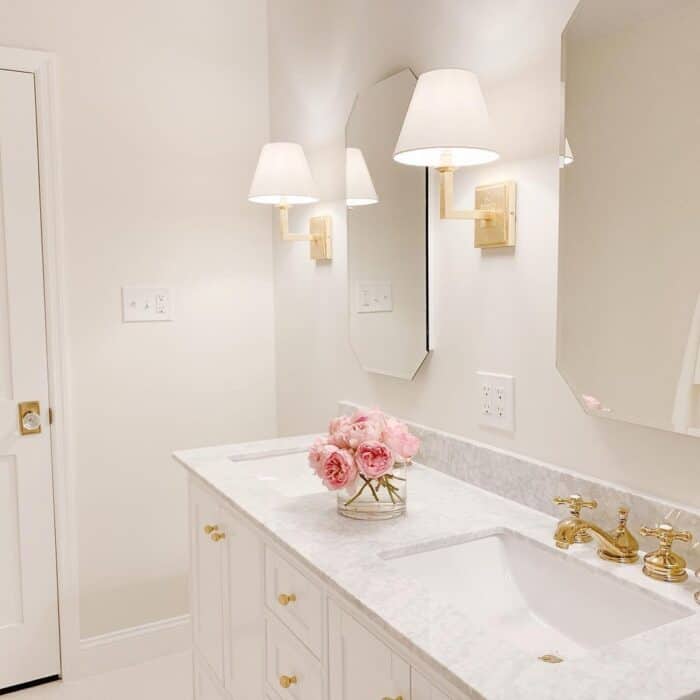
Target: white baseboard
135,645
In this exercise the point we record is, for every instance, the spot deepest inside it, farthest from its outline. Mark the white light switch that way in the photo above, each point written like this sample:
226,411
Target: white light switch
146,304
373,297
496,400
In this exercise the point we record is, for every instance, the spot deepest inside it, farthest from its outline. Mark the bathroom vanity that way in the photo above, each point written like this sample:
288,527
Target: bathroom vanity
465,597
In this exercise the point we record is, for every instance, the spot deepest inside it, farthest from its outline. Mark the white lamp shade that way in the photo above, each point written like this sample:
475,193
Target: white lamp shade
359,188
283,176
567,158
447,123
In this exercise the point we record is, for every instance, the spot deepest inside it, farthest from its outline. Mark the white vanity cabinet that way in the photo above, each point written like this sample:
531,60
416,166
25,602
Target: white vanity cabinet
361,665
227,596
266,628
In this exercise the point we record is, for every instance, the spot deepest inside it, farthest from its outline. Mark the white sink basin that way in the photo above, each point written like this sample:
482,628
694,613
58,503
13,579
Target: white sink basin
542,600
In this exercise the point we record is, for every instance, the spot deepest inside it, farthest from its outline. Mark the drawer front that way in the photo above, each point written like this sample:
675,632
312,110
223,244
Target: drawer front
302,608
288,663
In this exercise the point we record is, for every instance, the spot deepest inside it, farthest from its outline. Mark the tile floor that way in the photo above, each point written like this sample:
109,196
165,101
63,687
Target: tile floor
167,678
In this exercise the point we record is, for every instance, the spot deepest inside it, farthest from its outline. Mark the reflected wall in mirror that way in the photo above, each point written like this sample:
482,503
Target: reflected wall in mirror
629,249
387,239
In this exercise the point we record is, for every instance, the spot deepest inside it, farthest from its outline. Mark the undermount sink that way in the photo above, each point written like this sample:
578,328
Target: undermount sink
544,601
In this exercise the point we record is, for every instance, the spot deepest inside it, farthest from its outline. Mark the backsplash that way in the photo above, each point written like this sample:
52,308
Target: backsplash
534,484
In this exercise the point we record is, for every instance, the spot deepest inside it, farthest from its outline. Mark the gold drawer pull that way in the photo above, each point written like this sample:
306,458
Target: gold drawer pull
284,599
398,697
208,529
286,681
218,536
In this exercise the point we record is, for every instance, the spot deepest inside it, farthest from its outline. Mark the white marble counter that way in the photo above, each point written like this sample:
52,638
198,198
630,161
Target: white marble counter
281,495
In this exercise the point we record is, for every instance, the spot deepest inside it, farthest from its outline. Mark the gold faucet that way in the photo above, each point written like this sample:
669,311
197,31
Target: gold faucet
618,546
664,564
575,503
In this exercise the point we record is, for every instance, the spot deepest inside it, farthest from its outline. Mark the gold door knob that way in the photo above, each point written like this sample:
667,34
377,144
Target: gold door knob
664,564
284,599
208,529
218,536
286,681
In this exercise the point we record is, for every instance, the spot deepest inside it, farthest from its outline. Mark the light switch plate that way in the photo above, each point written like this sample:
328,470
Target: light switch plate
143,304
373,297
496,400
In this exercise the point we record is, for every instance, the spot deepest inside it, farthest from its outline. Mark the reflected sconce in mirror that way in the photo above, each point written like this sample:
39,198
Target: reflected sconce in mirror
359,188
283,178
566,158
447,127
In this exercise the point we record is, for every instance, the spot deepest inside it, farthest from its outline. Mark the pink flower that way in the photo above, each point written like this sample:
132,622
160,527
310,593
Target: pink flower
364,431
317,454
373,459
399,440
335,467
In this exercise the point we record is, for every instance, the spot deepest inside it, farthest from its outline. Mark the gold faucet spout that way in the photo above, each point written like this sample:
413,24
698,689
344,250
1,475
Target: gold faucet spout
618,545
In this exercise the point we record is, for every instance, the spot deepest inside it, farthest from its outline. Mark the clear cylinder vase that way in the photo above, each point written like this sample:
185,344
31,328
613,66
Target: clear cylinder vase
376,499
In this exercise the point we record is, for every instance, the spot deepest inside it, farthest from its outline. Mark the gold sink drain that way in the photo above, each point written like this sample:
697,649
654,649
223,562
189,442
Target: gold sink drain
551,659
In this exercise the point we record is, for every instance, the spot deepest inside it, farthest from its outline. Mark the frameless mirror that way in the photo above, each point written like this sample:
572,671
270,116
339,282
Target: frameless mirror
387,235
629,246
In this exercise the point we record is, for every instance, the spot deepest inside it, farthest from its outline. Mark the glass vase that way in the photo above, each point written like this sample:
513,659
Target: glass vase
376,499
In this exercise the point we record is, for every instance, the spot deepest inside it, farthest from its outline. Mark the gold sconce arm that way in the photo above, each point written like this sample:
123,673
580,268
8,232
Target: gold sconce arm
494,213
447,210
319,235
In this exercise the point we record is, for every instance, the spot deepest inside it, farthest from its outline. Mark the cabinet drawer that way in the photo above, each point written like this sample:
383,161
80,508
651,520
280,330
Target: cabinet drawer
295,600
288,662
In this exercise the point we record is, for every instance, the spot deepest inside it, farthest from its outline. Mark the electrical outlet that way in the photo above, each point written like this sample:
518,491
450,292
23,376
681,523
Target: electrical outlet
496,401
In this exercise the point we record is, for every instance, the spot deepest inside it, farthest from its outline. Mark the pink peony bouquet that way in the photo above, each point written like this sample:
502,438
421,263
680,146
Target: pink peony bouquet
360,451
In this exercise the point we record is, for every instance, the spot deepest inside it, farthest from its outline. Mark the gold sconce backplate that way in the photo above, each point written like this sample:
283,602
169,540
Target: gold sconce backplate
498,230
320,237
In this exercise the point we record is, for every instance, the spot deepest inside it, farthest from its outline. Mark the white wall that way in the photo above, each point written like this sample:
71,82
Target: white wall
163,109
494,310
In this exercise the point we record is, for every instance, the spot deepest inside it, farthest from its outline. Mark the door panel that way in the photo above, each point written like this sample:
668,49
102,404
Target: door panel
244,642
207,600
361,665
29,646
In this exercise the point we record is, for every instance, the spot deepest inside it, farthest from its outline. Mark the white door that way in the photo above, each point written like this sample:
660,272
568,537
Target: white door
29,646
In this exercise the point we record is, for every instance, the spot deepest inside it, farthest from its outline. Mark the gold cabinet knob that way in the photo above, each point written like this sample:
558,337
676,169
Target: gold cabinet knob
664,564
208,529
284,599
218,536
286,681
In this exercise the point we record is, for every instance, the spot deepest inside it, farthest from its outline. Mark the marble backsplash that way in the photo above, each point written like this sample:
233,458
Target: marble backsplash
534,484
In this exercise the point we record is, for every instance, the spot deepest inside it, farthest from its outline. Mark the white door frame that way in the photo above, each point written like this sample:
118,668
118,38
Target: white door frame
43,66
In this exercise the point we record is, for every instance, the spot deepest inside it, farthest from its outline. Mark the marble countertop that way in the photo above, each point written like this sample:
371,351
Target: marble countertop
270,483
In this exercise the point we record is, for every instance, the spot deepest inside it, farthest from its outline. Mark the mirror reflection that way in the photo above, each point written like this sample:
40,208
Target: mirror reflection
629,286
387,235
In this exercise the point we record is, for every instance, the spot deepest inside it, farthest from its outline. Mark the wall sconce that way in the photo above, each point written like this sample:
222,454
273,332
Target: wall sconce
283,178
566,158
447,127
359,188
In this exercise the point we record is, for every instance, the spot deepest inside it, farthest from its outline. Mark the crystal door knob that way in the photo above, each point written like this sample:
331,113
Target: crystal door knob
29,417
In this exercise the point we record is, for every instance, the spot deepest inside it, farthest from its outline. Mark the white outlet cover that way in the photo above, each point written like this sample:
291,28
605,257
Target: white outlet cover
144,304
496,400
